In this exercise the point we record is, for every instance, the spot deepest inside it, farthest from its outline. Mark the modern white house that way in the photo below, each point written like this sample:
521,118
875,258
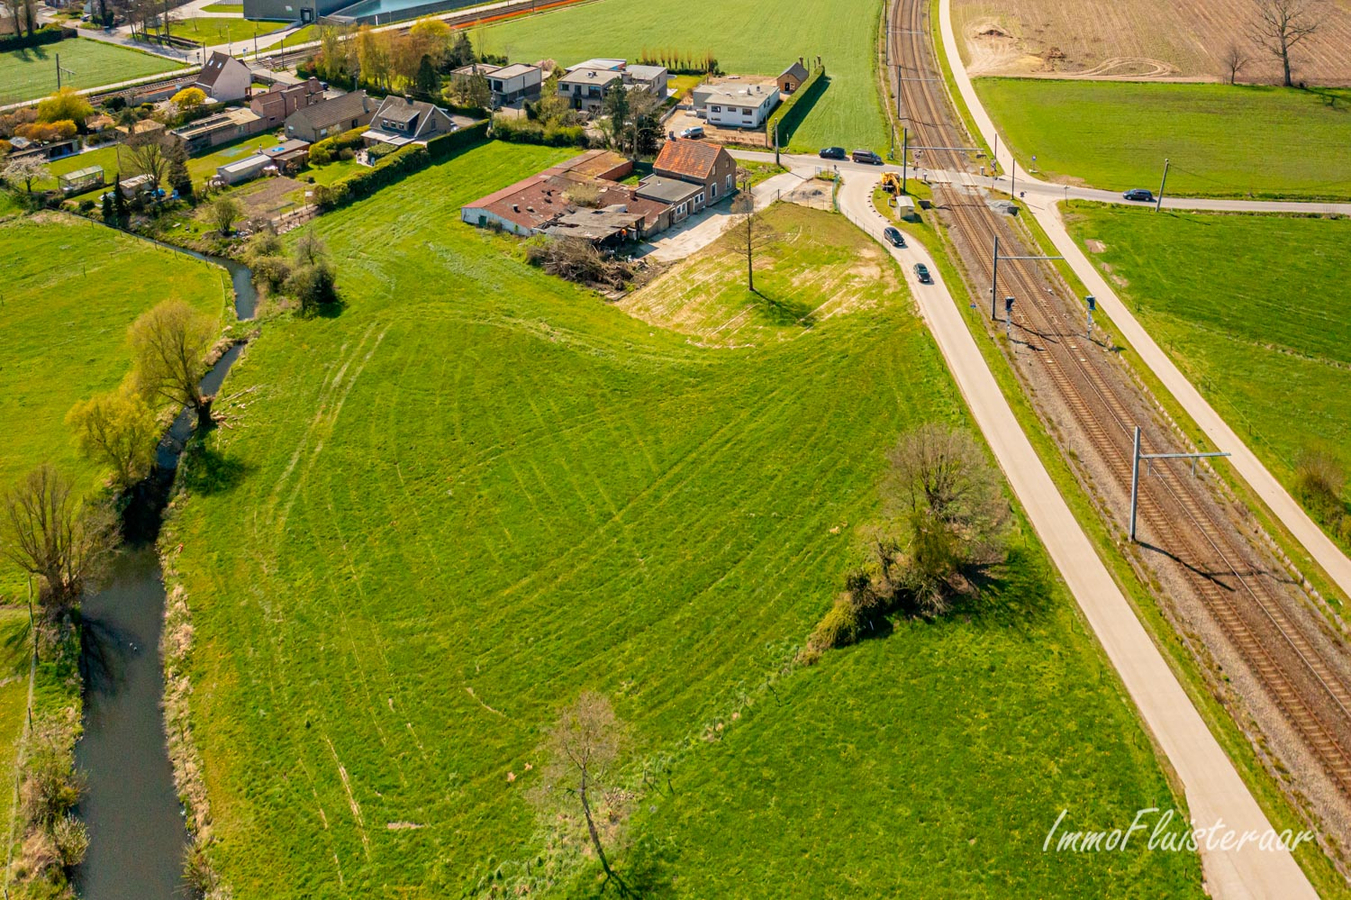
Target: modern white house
738,106
508,84
224,78
652,78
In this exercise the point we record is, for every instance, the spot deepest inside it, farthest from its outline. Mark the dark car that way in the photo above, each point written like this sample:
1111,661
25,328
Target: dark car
894,236
832,153
922,273
866,156
1139,194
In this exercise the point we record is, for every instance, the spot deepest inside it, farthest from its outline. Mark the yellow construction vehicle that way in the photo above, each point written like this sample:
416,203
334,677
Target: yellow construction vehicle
891,182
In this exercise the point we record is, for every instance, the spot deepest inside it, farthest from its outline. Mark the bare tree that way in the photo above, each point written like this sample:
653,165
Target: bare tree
169,346
950,511
147,154
1235,59
584,750
48,533
752,234
1282,25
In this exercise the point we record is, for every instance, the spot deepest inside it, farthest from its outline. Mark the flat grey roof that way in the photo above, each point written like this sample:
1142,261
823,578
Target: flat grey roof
667,190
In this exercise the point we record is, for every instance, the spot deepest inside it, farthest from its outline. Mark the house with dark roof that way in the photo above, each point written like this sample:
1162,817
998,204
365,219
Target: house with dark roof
278,102
329,117
791,78
224,78
695,162
401,121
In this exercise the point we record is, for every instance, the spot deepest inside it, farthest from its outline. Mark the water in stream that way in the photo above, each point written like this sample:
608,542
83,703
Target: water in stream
136,829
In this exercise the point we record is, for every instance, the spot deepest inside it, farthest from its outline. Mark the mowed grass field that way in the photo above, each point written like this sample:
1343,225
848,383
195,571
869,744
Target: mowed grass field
438,516
1223,140
70,290
15,651
1254,310
746,36
227,30
31,74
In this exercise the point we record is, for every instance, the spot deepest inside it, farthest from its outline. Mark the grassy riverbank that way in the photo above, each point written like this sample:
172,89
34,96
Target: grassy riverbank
70,291
439,515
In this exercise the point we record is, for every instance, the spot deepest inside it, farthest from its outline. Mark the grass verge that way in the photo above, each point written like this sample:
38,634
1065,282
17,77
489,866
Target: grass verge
31,74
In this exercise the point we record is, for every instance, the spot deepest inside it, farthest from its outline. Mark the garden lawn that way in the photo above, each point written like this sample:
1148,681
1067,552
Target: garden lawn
746,36
31,74
70,291
1253,309
440,514
1223,140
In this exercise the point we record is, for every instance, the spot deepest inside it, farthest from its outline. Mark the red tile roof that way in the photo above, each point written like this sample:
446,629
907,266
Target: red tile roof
688,159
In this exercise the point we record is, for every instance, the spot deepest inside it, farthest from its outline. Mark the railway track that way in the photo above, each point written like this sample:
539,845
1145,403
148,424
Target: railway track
1251,609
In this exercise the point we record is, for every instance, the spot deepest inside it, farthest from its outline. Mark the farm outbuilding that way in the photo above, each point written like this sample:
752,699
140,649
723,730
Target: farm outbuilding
244,169
81,180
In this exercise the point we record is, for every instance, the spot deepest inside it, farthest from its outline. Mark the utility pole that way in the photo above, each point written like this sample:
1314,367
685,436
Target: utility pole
58,68
994,281
776,143
1135,471
905,154
1013,179
1163,184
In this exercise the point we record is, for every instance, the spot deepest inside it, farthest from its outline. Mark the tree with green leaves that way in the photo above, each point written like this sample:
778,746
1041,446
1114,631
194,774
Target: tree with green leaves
117,429
64,105
225,211
169,345
428,80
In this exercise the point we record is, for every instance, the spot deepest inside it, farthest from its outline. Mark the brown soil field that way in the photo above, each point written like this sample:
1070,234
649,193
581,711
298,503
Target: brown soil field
1165,40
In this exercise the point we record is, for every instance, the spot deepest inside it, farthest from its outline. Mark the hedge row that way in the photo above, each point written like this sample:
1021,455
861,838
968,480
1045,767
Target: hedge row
521,131
394,167
322,152
47,34
784,118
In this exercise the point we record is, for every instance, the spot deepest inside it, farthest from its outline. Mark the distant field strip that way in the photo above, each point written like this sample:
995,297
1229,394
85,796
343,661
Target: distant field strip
749,37
1254,310
31,74
1222,140
478,490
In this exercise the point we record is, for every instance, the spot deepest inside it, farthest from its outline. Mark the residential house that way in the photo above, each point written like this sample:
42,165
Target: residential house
791,78
614,212
224,78
220,128
739,106
682,198
401,121
277,103
607,63
585,87
508,84
327,118
653,78
695,162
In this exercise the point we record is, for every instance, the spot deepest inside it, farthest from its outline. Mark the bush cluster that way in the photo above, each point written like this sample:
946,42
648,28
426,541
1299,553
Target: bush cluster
47,34
1319,481
322,152
518,131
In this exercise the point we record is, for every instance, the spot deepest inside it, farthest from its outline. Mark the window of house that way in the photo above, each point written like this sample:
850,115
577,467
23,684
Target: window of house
717,109
698,198
713,190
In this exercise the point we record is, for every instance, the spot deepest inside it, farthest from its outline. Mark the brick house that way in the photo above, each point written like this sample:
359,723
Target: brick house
696,162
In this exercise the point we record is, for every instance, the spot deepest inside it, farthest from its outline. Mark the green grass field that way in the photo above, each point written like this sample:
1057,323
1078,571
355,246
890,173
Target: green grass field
440,514
748,38
199,167
219,30
15,651
1253,309
71,289
224,8
31,74
1222,140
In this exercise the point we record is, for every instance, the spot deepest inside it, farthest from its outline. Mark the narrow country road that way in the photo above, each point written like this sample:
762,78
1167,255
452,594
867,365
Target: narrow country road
1214,790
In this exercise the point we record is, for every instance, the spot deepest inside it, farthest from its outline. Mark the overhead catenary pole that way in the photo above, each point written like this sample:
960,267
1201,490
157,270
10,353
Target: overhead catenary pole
905,154
994,282
58,70
1158,204
1135,471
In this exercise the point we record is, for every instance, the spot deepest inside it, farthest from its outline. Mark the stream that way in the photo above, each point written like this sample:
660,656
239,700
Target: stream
136,825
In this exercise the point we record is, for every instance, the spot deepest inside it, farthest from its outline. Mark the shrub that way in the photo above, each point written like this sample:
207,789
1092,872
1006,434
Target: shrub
839,628
1318,484
532,132
64,105
47,34
347,154
322,152
380,151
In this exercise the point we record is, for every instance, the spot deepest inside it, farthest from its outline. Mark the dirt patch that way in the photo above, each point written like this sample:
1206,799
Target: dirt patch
1165,40
1096,246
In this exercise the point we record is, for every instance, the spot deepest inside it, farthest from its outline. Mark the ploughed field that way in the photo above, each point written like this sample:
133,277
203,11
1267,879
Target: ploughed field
70,291
31,74
748,38
437,517
1223,140
1138,38
1254,311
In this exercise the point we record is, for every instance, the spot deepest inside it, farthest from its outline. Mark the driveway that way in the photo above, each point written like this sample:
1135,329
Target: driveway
697,232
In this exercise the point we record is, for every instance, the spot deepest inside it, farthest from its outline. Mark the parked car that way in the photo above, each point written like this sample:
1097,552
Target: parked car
1139,194
866,156
894,236
694,131
922,273
832,153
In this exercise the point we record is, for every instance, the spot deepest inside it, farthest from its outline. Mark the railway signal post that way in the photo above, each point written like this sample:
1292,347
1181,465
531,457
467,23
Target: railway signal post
994,276
1135,471
1092,305
1008,317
